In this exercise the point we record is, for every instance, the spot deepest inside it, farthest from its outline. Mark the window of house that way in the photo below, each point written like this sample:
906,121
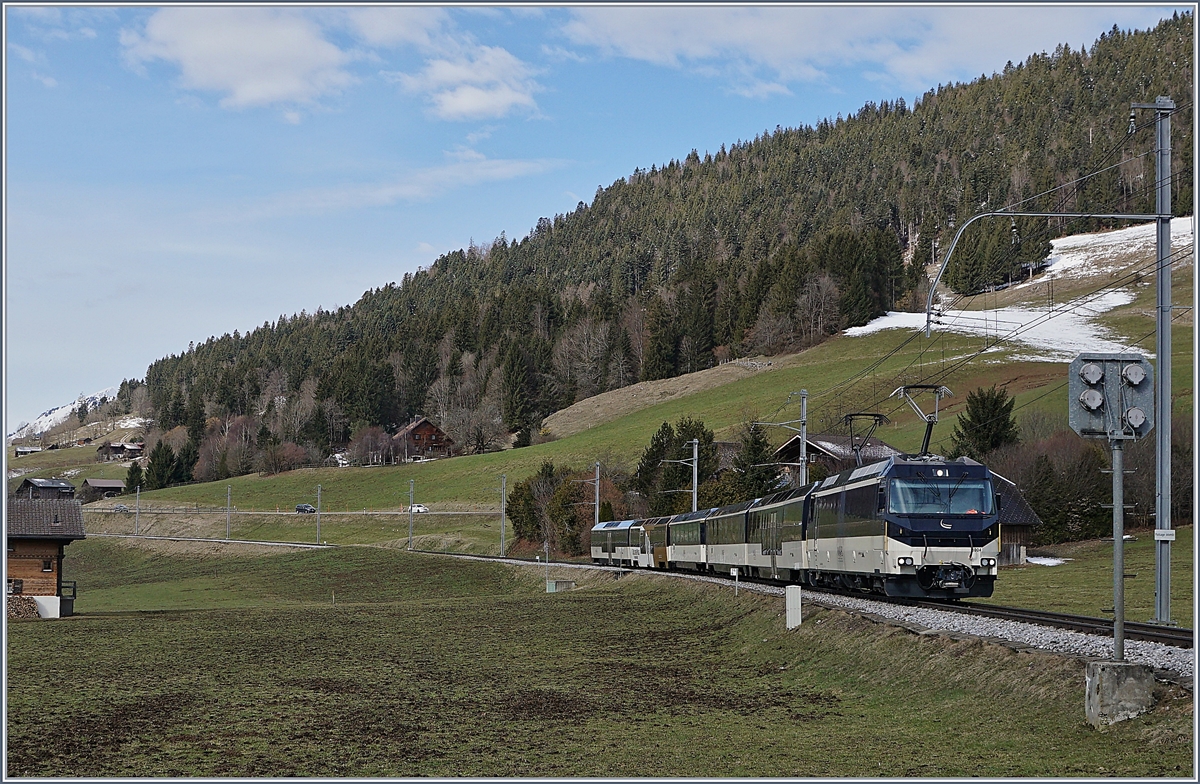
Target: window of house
47,565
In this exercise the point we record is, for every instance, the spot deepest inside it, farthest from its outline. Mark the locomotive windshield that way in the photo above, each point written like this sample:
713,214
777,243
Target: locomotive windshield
941,496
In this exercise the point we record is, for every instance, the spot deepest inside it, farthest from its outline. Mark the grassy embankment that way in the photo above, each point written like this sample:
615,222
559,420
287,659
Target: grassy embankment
428,666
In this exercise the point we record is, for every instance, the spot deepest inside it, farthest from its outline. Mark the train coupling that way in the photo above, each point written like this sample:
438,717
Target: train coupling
954,577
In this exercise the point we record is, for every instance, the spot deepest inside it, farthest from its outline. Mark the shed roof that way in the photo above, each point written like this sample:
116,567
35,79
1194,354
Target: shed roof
837,447
45,519
1014,509
50,484
106,484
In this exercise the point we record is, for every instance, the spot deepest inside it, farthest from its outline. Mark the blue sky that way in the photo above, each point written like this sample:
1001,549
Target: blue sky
176,172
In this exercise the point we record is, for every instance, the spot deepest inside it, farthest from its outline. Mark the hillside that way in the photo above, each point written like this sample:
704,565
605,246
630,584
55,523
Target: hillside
766,246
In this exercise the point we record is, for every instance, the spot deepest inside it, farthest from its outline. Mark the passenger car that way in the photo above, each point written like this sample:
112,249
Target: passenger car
305,509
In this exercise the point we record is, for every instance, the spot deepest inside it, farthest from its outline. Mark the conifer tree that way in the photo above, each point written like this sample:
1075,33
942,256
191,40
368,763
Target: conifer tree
986,425
133,477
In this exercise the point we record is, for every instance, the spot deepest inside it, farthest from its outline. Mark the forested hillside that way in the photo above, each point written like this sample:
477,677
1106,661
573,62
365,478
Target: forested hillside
759,247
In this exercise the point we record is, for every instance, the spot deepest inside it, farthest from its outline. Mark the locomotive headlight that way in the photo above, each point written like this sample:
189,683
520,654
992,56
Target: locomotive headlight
987,562
904,562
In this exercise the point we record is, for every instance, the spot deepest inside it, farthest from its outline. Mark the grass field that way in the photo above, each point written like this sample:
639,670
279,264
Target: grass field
1084,584
430,666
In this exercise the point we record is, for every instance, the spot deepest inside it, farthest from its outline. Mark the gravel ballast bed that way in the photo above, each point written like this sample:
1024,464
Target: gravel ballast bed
1163,658
1093,646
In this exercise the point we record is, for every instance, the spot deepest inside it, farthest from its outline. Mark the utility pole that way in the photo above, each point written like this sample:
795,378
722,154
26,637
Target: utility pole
137,509
803,437
695,470
318,514
1163,533
410,512
228,502
503,496
597,519
694,462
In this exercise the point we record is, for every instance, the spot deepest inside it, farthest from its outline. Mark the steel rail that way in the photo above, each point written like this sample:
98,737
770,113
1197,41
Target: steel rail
1147,632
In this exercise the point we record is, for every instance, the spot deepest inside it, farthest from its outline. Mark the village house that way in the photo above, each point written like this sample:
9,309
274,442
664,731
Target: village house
95,489
108,452
38,531
45,489
422,439
832,453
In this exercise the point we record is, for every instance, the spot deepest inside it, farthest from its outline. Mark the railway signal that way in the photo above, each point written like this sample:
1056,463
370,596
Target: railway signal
1112,396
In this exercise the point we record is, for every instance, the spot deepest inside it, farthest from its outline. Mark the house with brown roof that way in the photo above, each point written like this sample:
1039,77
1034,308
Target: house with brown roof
38,530
107,452
833,453
422,440
95,489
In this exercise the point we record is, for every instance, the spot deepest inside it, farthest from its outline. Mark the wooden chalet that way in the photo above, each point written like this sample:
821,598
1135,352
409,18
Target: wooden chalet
1017,522
832,453
421,439
38,530
107,452
46,489
95,489
23,451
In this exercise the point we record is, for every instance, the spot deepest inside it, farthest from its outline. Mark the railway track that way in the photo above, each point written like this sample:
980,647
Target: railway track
1148,632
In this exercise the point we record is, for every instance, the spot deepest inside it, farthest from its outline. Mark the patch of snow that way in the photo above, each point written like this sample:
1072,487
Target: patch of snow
1057,333
56,416
130,422
1047,561
1085,255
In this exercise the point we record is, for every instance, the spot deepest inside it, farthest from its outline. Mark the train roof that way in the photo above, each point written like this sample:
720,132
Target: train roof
883,466
615,525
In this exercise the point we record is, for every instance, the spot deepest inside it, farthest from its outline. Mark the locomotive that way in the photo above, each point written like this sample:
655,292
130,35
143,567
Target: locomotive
916,526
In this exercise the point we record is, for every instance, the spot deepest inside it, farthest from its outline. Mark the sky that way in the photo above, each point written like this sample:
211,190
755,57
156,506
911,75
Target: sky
173,173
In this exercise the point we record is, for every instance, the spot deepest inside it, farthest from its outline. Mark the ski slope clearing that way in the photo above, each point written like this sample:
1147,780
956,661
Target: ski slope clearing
58,415
1056,332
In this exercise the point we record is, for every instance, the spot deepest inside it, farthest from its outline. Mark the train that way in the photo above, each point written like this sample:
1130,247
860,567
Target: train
918,526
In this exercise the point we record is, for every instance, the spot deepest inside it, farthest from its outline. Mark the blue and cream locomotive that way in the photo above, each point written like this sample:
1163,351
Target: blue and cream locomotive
917,526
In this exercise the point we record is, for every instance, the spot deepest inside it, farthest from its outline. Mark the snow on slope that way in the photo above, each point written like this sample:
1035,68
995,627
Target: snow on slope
1060,332
58,415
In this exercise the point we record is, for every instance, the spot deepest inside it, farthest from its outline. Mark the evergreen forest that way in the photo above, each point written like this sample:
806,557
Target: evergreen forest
760,247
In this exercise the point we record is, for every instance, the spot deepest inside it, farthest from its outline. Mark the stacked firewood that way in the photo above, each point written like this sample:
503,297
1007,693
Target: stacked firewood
22,607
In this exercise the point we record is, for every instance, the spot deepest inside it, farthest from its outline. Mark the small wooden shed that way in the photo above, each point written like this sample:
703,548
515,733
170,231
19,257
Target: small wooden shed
95,489
38,531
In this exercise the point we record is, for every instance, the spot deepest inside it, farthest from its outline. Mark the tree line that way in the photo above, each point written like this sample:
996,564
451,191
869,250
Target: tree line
766,246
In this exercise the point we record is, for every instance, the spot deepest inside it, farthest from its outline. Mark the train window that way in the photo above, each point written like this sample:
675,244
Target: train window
941,496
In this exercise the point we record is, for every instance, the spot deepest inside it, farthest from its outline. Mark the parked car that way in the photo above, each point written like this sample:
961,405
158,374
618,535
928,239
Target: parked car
120,508
419,508
305,509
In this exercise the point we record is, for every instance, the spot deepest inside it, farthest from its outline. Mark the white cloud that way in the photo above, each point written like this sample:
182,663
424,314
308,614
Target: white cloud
420,27
487,82
25,54
47,81
759,50
251,56
466,169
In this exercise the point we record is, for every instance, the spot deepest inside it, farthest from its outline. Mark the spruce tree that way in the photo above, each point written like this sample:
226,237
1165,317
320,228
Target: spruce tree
753,463
161,468
133,477
986,425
